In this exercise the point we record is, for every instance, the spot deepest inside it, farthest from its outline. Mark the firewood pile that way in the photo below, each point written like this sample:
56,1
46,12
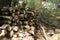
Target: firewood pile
18,24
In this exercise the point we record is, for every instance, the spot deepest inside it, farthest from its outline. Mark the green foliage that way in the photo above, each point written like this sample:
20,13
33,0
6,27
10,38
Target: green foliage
34,4
14,2
30,3
51,17
50,5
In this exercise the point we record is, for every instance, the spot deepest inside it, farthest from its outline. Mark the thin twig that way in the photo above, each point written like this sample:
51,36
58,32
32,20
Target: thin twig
43,30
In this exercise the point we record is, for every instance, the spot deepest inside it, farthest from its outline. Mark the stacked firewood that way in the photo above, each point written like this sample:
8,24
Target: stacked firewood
19,23
16,19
